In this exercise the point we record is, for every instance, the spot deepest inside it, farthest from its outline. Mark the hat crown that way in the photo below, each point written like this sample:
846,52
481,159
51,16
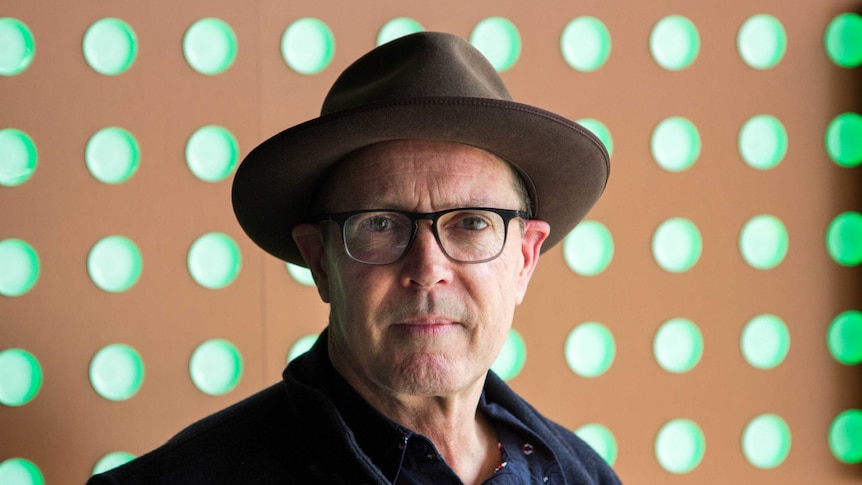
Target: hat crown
421,65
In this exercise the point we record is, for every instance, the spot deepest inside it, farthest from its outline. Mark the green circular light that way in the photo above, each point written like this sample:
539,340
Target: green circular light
677,245
112,155
844,337
763,242
498,40
110,46
115,264
674,42
600,439
680,446
299,274
20,377
112,460
843,40
586,43
18,157
590,349
763,142
210,46
600,130
20,471
398,27
308,46
512,356
762,41
844,239
212,153
766,441
589,248
216,367
765,341
301,346
214,260
117,372
845,436
678,345
19,267
17,47
675,144
844,140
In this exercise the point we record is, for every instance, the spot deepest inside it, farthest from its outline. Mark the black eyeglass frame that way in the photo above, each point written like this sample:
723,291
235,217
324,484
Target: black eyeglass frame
506,214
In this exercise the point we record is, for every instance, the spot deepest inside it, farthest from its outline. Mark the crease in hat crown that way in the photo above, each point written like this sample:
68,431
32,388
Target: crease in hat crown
420,69
427,85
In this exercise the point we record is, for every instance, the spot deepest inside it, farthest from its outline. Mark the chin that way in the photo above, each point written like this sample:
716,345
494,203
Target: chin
431,376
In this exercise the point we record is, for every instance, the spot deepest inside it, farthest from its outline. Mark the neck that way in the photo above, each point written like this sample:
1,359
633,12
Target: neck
463,436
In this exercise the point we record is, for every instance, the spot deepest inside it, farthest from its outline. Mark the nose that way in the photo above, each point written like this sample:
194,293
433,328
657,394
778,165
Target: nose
425,265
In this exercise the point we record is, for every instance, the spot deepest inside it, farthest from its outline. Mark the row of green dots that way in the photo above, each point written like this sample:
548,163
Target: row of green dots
762,142
677,244
678,345
112,155
679,446
117,372
115,263
210,45
590,348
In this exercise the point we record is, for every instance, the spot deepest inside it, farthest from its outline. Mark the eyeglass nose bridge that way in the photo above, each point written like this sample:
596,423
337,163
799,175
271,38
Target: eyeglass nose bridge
415,218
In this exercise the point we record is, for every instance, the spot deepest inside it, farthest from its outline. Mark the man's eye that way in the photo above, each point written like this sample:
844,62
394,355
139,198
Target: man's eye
473,223
378,223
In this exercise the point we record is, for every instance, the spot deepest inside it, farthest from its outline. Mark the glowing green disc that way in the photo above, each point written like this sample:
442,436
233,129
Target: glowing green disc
216,367
590,349
674,42
18,157
498,40
20,267
17,46
214,260
398,27
308,46
765,341
600,439
766,441
110,46
680,446
20,377
210,46
586,43
512,356
677,245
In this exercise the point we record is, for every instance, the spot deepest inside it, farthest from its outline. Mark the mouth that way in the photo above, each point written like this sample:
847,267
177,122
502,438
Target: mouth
426,326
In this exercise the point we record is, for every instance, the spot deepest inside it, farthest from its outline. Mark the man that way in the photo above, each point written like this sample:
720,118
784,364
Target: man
420,200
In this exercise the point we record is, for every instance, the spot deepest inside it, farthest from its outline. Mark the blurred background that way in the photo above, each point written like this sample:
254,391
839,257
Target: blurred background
702,326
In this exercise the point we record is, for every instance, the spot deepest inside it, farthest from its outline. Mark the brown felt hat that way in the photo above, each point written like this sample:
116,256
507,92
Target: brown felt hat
431,86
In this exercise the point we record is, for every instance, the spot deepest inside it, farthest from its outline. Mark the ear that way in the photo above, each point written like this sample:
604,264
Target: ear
309,240
535,233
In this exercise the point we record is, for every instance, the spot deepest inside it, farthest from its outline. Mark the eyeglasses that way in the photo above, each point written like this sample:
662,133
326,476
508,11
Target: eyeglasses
466,235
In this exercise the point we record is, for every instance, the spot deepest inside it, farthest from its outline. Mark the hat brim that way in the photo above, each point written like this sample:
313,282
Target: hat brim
564,165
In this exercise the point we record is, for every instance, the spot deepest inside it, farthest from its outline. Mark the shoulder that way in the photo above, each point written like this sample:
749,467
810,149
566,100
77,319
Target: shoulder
243,440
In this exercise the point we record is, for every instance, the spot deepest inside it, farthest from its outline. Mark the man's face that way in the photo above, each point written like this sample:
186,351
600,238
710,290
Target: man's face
424,325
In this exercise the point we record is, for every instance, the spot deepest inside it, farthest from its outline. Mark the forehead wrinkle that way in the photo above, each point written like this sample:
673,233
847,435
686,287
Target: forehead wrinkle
405,175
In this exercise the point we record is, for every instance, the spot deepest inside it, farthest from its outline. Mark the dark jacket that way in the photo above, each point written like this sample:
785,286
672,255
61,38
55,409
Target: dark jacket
292,433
